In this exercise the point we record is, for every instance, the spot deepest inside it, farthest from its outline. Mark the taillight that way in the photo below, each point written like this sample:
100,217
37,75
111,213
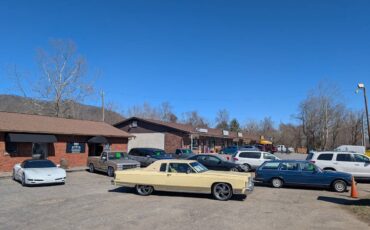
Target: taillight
235,159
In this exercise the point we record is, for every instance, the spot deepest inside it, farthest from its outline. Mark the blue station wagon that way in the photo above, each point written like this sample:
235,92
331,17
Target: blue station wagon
301,173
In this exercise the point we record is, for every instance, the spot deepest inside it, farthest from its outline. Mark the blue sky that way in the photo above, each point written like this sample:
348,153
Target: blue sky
253,58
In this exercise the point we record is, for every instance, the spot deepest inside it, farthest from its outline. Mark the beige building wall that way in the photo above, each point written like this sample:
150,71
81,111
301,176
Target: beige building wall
147,140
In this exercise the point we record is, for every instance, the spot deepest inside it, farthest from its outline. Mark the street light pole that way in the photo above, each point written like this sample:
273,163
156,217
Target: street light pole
362,86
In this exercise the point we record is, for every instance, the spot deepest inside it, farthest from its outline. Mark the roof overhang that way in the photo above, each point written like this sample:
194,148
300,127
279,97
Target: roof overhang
26,137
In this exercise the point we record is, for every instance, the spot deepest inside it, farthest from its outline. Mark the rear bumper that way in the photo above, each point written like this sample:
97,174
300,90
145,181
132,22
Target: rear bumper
245,191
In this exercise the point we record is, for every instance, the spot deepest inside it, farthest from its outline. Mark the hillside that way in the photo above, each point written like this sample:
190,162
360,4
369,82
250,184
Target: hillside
18,104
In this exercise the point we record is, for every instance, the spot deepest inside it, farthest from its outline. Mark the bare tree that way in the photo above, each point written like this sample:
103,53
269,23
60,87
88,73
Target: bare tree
194,119
166,113
62,76
222,119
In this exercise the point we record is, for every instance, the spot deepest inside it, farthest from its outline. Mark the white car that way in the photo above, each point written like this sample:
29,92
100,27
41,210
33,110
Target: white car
253,159
356,164
31,172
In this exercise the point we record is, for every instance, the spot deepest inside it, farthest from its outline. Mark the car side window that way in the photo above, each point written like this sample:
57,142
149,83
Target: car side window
163,167
325,157
254,155
360,158
214,160
344,157
271,165
289,166
307,167
269,156
133,152
178,151
179,168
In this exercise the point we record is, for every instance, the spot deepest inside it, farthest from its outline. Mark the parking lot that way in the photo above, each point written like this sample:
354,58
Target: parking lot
90,201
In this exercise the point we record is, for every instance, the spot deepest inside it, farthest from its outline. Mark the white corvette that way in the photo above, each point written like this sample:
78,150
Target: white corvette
38,172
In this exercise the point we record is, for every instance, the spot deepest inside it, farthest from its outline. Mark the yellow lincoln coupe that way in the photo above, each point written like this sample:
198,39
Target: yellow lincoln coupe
184,176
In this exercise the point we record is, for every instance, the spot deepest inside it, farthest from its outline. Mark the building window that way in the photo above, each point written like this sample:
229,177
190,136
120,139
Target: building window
11,147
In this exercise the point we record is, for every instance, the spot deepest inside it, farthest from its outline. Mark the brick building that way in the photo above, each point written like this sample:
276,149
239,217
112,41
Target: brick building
170,136
61,140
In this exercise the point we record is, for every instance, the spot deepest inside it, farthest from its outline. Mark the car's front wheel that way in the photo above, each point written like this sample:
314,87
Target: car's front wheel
222,191
23,180
277,183
339,186
13,175
110,172
144,190
247,167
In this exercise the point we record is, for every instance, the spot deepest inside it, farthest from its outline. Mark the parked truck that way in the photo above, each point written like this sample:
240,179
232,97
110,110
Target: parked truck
111,161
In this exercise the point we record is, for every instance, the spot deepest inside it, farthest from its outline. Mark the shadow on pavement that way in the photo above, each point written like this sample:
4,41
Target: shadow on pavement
176,194
343,201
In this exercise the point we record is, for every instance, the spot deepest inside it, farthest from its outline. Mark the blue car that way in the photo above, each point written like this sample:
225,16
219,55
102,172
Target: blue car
301,173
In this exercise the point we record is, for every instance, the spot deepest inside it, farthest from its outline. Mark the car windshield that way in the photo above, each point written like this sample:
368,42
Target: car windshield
116,155
187,151
198,167
39,164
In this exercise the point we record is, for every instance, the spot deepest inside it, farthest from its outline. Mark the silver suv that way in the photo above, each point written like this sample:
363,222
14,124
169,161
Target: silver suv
356,164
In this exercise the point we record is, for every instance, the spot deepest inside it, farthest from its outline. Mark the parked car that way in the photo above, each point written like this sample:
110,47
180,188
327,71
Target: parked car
185,176
351,148
231,150
252,159
110,161
356,164
183,153
266,148
32,172
281,148
301,173
215,162
146,156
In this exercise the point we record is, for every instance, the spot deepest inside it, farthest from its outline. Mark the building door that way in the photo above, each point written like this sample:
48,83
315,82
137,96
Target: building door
40,150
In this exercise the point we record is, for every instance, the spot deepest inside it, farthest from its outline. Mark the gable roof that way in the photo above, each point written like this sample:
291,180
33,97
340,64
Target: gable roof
26,123
212,132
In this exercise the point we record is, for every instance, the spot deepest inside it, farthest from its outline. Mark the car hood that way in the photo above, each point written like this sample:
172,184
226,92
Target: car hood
45,172
336,173
125,162
227,174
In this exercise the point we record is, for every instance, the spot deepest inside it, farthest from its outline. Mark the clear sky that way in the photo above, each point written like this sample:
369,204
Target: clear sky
253,58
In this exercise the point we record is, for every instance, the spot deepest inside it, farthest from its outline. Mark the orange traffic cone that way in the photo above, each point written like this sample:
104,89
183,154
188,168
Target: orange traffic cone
354,193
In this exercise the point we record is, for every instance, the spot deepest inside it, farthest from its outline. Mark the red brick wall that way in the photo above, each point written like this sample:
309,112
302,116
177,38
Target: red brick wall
57,152
172,142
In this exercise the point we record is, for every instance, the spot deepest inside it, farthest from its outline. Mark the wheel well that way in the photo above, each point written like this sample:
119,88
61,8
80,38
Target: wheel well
336,179
329,168
213,185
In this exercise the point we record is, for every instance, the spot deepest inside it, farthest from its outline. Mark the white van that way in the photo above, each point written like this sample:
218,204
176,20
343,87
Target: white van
356,164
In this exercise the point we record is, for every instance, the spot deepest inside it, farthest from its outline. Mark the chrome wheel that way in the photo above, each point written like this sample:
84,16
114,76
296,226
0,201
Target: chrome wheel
23,180
277,183
339,186
247,167
222,191
110,172
91,168
144,190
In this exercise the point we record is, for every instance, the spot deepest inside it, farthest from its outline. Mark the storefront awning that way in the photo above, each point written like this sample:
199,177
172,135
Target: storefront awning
98,140
25,137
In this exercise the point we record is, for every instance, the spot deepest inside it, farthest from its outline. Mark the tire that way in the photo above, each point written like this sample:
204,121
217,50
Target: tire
110,172
23,180
222,191
13,175
91,168
339,186
277,183
234,170
247,167
144,190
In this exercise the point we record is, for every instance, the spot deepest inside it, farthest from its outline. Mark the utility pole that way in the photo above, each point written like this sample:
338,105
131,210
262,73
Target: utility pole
362,86
102,105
